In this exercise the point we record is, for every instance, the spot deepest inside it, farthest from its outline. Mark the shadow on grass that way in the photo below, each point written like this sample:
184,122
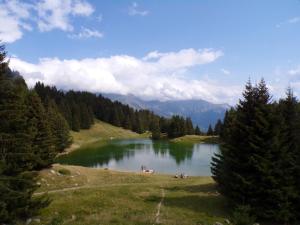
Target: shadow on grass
204,188
210,205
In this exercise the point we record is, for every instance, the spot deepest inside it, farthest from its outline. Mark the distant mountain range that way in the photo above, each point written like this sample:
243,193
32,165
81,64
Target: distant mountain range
200,111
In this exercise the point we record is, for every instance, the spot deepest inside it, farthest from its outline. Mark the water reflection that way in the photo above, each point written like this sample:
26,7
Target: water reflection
163,156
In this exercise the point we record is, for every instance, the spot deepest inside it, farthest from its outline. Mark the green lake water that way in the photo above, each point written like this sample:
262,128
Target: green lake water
130,155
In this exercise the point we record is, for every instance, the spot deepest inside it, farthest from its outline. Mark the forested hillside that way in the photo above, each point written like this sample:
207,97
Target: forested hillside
80,109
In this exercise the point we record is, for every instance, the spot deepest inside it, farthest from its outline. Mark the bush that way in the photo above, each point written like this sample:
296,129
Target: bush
64,172
242,216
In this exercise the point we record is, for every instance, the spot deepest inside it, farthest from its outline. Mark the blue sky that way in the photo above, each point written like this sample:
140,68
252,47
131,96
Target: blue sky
200,49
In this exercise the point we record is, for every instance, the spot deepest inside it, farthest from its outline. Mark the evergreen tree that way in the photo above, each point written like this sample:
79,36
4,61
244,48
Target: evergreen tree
197,130
155,129
290,150
210,131
17,181
218,127
59,128
249,168
75,117
41,137
189,126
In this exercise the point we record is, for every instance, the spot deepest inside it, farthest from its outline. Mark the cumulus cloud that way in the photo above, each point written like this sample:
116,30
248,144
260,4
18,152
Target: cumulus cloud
55,14
86,33
134,10
149,79
13,17
17,16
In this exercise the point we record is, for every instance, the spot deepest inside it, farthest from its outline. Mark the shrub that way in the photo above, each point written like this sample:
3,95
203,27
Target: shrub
242,216
64,172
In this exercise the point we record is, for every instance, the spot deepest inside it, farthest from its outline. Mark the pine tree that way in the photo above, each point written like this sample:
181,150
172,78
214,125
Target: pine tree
210,131
59,128
245,170
197,130
17,181
189,126
289,153
218,127
41,136
155,129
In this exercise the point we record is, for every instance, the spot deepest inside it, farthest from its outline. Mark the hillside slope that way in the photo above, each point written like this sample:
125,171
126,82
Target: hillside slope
100,131
200,111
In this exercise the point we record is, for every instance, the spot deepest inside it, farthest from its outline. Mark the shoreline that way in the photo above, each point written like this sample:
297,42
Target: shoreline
123,171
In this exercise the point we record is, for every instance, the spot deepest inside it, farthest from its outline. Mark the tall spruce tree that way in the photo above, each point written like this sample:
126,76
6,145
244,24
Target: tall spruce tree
246,167
59,128
210,131
42,141
17,180
290,150
197,130
218,127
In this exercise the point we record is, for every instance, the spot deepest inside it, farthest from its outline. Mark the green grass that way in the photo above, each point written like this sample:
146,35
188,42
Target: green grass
108,197
89,196
101,131
197,139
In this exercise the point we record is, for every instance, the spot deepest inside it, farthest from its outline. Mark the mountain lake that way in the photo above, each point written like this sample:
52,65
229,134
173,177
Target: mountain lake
131,154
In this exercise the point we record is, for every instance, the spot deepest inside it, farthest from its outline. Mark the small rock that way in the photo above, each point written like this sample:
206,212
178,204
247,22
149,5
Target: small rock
37,220
218,223
73,217
28,221
76,184
52,171
38,183
227,221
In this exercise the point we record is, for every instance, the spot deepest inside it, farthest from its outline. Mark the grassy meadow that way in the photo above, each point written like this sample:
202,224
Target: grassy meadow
86,196
196,139
96,196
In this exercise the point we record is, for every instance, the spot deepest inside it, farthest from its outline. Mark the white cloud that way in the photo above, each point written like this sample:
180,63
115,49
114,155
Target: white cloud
13,16
294,72
226,72
126,74
289,21
86,33
55,14
17,16
134,10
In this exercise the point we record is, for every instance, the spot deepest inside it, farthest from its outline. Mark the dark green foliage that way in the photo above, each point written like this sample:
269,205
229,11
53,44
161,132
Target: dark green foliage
258,159
58,127
155,129
210,131
42,142
218,127
19,147
189,126
198,131
176,127
241,216
80,108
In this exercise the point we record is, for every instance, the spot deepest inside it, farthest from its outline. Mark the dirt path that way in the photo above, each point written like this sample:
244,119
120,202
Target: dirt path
159,206
90,186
